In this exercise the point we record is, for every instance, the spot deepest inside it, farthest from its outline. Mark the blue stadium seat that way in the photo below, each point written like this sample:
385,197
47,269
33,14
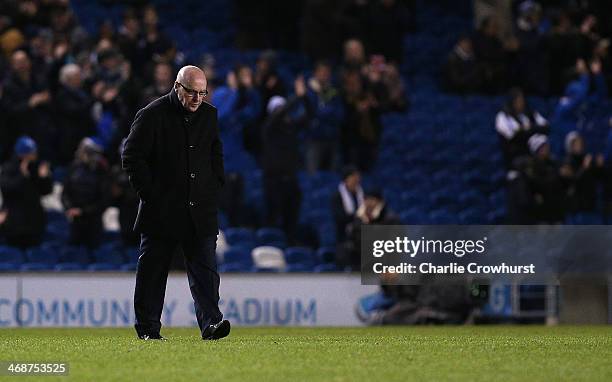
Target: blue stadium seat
35,267
269,235
235,236
326,255
72,254
300,268
299,255
321,268
238,255
95,267
234,267
63,267
9,267
10,255
131,254
108,254
129,267
41,255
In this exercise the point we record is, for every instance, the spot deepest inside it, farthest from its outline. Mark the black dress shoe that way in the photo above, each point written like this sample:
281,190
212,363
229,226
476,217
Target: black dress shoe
147,337
217,331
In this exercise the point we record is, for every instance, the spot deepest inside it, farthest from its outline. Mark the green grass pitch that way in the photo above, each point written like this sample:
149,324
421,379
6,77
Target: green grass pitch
462,353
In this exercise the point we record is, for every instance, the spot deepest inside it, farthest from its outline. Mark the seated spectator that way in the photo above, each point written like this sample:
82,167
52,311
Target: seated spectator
23,181
347,201
323,135
545,183
515,124
374,210
86,194
581,172
281,160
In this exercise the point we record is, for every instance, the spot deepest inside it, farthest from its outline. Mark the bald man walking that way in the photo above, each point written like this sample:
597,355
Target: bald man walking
174,159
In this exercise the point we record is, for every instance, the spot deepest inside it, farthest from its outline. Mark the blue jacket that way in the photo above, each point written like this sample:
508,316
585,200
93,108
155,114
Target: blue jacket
328,115
572,108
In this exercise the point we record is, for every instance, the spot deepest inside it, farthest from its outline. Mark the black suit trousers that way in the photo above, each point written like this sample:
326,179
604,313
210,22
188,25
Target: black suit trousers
152,274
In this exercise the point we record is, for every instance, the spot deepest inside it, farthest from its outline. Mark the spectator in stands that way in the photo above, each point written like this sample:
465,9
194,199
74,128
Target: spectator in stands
323,135
128,38
238,103
588,90
396,92
72,112
156,47
26,101
163,79
515,124
362,127
461,71
23,181
385,84
563,46
374,210
519,199
581,172
281,160
491,56
354,57
269,84
86,194
347,201
545,183
532,53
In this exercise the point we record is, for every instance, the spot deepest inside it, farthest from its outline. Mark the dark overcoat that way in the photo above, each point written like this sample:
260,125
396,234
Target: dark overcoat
174,160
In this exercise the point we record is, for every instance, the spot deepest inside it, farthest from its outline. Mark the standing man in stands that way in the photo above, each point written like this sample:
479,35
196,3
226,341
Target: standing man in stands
174,159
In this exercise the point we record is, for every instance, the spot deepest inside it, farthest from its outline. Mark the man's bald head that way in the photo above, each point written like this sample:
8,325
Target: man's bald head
190,87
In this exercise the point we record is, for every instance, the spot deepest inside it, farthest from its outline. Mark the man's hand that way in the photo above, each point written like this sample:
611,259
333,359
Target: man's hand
71,213
39,98
3,216
300,86
43,170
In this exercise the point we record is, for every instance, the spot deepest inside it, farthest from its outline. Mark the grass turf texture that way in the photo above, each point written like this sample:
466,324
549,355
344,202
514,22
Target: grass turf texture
481,353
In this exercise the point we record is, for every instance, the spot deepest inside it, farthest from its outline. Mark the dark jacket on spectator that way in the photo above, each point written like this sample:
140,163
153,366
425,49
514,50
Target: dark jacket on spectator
280,138
21,199
73,119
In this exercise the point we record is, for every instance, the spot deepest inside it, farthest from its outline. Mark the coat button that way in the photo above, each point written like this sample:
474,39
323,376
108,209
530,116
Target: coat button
192,175
191,146
191,204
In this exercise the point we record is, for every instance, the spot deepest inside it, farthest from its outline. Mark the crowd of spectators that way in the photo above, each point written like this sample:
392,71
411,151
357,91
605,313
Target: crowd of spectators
72,96
529,44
